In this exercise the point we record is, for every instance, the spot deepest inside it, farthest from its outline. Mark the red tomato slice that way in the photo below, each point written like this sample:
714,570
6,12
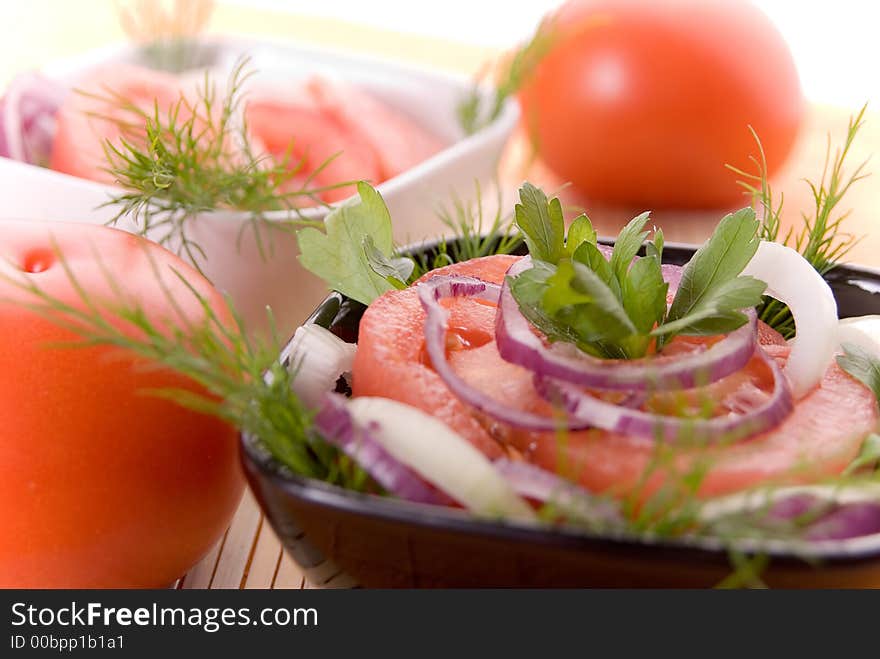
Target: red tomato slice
312,137
391,359
820,438
399,142
315,122
78,148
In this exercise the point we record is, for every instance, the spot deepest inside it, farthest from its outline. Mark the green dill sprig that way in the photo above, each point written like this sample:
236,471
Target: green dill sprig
243,380
473,232
475,111
195,157
821,239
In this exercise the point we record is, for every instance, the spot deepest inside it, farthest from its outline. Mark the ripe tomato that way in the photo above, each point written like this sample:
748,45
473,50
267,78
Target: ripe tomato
101,484
643,103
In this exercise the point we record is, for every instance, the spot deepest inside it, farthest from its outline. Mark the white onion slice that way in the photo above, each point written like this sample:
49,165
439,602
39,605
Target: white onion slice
337,426
441,456
571,499
863,331
319,358
792,280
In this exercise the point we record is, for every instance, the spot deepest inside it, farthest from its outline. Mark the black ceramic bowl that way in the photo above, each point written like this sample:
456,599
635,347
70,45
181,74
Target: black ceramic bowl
343,537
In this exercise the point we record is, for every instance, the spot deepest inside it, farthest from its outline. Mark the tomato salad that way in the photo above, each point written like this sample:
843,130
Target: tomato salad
309,125
596,384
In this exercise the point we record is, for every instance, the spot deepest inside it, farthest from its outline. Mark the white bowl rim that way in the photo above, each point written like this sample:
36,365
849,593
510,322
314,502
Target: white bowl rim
498,128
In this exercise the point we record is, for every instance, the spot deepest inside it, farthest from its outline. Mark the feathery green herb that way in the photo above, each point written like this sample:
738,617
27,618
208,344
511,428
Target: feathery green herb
616,307
176,163
821,240
244,381
473,233
476,111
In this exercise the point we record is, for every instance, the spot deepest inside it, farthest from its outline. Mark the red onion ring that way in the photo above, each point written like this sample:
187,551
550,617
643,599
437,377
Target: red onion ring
532,482
436,321
833,520
518,344
813,514
627,421
337,427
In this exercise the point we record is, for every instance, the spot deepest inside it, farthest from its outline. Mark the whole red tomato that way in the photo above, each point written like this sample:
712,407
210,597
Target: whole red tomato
101,484
639,102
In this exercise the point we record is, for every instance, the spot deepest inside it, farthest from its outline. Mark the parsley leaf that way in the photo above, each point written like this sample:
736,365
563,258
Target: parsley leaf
528,290
599,316
711,292
590,256
617,307
717,312
643,291
338,256
862,365
655,248
581,231
541,224
627,245
395,271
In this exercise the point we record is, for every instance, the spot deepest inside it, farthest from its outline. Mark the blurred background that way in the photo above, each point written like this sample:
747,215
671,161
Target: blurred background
833,45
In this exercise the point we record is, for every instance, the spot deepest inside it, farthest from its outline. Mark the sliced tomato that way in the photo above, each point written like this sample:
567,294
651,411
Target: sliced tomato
399,142
391,359
819,438
331,131
313,138
320,121
86,123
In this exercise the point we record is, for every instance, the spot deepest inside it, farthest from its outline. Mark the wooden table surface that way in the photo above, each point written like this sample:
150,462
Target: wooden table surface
250,555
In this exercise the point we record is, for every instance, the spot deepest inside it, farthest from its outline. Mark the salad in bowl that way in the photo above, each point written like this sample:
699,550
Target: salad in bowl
537,406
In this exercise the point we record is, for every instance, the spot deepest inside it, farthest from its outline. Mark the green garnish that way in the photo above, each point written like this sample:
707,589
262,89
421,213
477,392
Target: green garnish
473,233
862,365
821,240
355,254
617,307
245,383
542,225
339,254
712,291
396,271
177,163
868,457
474,112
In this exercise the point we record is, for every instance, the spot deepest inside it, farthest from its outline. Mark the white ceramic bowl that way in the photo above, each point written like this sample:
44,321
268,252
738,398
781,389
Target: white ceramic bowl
429,97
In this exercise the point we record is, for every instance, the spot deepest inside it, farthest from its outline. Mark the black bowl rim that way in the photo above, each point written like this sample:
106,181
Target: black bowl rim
453,520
